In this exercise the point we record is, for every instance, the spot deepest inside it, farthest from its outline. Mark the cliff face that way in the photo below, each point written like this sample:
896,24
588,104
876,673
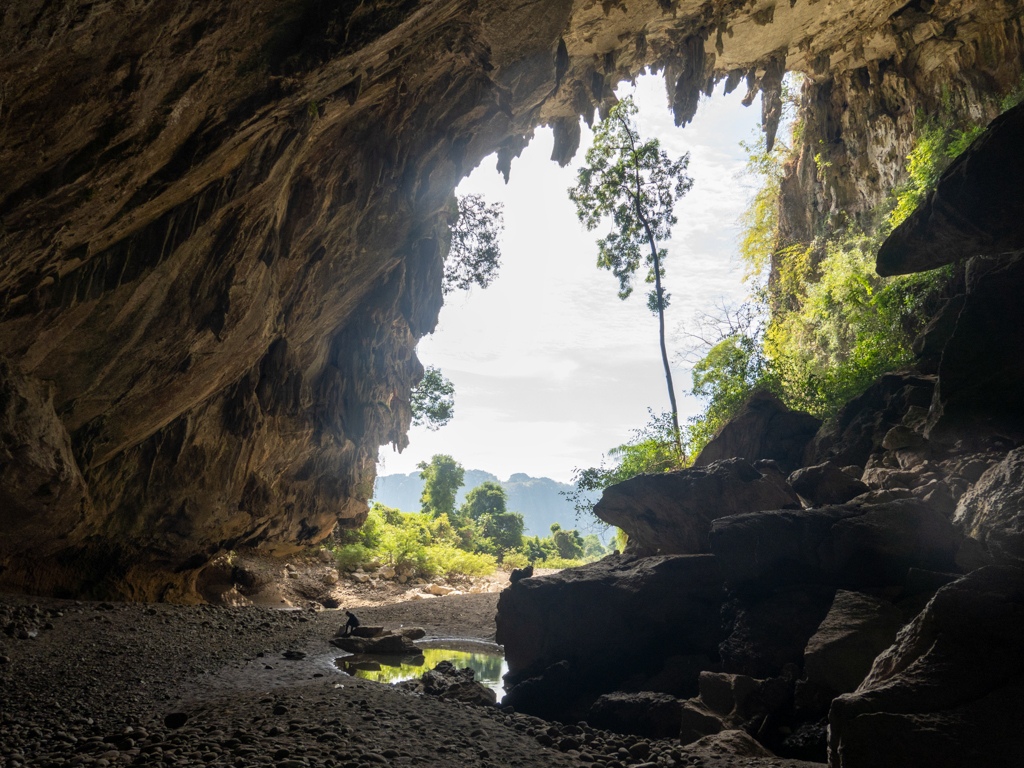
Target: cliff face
862,104
223,228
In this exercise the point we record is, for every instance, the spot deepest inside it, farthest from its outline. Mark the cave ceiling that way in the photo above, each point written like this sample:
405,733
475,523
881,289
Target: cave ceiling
222,227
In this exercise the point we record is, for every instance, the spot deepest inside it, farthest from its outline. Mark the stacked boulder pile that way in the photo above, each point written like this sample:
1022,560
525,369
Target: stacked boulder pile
850,592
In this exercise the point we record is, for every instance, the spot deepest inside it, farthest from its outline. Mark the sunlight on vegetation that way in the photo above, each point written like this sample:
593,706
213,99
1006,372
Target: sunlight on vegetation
819,325
471,539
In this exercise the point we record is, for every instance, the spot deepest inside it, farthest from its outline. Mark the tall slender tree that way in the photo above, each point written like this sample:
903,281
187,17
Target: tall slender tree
636,184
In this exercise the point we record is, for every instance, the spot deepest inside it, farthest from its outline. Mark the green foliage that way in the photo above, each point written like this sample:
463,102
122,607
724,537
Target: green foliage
726,376
426,544
515,559
825,325
475,253
504,529
433,400
636,184
759,222
651,449
442,477
488,498
1013,97
593,549
938,143
850,327
449,560
352,554
568,544
537,549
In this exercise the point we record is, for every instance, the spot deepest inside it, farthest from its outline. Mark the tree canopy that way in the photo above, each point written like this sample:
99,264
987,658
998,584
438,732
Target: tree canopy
442,478
475,252
433,400
636,184
488,498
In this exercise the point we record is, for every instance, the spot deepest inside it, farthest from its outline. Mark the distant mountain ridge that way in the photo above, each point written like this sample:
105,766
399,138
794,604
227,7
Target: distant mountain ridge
537,499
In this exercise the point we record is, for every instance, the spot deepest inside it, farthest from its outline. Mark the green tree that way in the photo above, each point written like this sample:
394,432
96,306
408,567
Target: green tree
442,478
433,400
505,529
637,185
568,543
592,547
538,549
488,498
475,253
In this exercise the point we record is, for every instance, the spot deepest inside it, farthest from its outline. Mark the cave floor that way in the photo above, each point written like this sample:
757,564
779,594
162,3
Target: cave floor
86,683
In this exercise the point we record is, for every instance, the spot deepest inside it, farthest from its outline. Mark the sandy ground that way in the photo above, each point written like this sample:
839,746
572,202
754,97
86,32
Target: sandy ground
100,684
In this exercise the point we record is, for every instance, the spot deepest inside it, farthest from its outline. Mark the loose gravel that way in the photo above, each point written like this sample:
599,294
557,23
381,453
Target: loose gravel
101,684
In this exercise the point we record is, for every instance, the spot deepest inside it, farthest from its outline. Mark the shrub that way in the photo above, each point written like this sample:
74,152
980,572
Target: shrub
515,559
349,555
448,560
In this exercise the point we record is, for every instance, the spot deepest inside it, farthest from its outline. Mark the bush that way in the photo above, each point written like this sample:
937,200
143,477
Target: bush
449,560
349,555
515,559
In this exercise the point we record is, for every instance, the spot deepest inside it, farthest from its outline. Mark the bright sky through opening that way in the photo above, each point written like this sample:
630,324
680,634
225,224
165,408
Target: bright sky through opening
550,367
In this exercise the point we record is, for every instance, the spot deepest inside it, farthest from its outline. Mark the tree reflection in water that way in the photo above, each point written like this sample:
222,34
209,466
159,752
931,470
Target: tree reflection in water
489,667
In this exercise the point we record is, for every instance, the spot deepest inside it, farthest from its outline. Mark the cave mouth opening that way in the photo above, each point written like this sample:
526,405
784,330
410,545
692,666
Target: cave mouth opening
550,368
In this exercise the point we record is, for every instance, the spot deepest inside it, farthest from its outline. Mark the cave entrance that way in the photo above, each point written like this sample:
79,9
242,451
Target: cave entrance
550,368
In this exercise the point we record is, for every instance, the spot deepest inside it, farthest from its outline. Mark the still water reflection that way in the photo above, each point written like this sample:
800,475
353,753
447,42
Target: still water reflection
489,667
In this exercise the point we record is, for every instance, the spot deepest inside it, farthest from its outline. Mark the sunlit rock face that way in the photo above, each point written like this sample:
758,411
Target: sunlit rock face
222,228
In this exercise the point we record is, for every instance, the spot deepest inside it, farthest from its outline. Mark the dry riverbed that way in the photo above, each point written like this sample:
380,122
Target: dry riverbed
100,684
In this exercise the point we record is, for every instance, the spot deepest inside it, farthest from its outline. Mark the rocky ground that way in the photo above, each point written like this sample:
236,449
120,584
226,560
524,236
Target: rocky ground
154,684
314,580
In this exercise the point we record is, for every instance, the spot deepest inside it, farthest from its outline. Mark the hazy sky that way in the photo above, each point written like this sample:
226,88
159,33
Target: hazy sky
550,368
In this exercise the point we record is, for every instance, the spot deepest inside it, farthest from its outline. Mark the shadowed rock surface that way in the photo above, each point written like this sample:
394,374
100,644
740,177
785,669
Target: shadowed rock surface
825,484
977,208
949,691
671,513
764,428
857,628
992,512
574,635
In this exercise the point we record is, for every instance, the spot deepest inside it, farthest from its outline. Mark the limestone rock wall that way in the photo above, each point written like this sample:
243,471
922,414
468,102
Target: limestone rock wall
862,104
223,225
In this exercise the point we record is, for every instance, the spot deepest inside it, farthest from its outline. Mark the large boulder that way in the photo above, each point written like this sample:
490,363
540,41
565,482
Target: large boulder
982,364
768,631
857,628
826,484
585,630
950,692
861,425
42,494
446,681
671,513
728,702
977,207
992,511
764,428
851,546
